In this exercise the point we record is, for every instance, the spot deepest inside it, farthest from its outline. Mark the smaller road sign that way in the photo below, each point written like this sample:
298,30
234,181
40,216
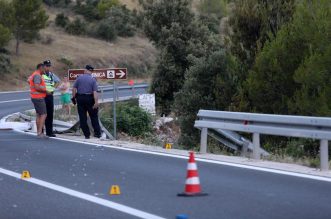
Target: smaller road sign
105,74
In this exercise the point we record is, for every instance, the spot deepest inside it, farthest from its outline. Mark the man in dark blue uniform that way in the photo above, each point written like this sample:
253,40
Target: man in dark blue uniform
85,93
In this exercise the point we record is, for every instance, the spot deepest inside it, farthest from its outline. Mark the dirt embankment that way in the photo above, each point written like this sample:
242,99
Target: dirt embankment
68,51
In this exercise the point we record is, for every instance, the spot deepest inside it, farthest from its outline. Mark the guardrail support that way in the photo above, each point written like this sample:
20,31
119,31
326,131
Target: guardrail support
203,140
324,155
102,94
256,146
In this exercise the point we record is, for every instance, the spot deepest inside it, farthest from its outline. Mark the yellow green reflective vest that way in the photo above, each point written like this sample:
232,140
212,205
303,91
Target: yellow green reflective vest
49,81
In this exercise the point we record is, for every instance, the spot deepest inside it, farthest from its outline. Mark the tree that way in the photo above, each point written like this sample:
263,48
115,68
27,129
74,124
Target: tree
291,74
253,23
30,17
209,84
160,16
313,76
172,26
5,35
122,20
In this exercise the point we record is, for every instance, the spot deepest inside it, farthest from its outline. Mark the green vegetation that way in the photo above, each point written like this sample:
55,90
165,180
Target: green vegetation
29,17
275,58
292,72
57,3
61,20
216,7
77,27
131,119
104,19
172,26
105,5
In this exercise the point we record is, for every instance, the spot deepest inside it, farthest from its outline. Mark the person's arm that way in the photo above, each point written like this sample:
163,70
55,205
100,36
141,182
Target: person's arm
96,100
37,81
95,95
56,80
74,92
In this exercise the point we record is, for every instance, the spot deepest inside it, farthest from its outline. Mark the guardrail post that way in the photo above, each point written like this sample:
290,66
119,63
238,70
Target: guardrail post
256,146
102,94
203,140
324,155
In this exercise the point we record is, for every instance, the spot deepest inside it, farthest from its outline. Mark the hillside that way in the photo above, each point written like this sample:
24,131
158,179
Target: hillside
68,51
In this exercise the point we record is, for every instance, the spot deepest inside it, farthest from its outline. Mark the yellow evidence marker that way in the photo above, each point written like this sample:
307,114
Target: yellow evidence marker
25,174
115,190
168,146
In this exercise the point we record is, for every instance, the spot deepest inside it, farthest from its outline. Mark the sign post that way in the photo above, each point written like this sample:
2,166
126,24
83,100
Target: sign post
104,74
114,108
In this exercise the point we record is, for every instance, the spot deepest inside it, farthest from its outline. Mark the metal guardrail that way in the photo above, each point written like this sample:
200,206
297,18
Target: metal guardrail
280,125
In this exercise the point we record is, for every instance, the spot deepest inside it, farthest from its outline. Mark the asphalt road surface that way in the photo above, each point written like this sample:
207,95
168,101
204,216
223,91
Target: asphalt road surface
72,180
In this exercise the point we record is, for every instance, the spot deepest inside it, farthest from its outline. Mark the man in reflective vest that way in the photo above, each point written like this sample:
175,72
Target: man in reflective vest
38,94
51,81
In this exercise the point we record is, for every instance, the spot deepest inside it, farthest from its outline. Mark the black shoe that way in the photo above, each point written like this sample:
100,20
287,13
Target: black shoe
97,136
87,137
52,135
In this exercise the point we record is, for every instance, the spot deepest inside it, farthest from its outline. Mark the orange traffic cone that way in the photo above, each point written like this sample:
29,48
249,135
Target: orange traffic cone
192,184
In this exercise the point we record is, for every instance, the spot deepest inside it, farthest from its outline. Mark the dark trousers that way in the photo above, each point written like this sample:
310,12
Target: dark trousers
85,105
49,100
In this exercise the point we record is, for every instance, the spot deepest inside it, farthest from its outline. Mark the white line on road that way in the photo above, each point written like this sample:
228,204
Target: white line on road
244,166
10,101
84,196
13,92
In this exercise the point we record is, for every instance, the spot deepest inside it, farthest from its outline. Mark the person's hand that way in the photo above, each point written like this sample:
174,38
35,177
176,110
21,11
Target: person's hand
73,100
96,106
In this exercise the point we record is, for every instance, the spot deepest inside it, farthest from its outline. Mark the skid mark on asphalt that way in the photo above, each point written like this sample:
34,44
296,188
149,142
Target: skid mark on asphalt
84,196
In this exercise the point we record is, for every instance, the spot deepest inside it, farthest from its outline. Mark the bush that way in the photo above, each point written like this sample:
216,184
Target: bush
89,10
131,119
105,5
57,3
5,64
5,35
77,27
122,20
106,31
61,20
216,7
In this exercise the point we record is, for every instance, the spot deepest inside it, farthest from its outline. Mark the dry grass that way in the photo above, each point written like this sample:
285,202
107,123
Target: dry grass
76,49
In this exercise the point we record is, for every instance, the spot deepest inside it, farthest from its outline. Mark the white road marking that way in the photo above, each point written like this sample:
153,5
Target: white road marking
12,92
244,166
11,101
84,196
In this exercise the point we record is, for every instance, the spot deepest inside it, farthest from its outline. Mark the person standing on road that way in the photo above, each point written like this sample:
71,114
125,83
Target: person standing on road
38,94
52,82
65,95
85,93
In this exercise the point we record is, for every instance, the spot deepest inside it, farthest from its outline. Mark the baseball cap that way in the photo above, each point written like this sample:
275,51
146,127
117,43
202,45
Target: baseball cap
89,67
48,63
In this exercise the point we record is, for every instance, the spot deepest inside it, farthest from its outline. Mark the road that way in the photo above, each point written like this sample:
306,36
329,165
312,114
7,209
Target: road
72,180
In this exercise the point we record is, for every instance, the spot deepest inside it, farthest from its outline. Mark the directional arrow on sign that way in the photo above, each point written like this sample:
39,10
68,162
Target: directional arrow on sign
121,74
